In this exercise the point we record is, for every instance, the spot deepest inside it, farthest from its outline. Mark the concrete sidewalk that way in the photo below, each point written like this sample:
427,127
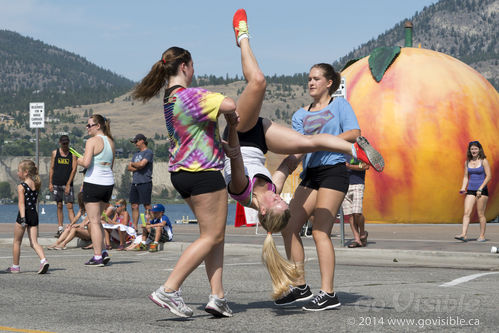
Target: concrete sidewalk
431,245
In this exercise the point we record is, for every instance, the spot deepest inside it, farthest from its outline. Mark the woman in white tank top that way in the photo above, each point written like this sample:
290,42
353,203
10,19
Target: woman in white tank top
98,184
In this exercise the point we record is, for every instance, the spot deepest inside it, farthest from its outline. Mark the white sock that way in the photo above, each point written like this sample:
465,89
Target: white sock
15,266
240,38
44,260
60,228
155,242
354,152
97,257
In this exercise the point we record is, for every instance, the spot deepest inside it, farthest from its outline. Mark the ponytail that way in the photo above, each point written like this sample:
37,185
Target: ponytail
105,124
160,72
282,272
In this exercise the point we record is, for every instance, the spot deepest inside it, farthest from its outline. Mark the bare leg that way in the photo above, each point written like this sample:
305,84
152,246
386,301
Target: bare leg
328,203
355,228
71,213
135,215
33,240
60,214
250,102
16,244
301,208
283,140
469,201
211,212
94,211
481,203
69,237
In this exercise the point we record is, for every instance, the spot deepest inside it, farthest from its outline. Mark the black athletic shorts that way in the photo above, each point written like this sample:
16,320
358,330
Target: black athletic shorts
141,193
485,192
97,193
334,177
31,218
195,183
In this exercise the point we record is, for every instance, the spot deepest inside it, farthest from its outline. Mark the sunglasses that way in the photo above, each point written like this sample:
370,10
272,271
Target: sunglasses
117,206
91,125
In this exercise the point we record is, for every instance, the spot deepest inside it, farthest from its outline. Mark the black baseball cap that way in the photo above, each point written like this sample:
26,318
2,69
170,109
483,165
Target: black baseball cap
138,137
64,139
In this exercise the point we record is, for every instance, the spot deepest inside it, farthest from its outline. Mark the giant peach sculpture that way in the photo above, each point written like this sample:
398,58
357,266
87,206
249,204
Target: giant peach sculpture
421,116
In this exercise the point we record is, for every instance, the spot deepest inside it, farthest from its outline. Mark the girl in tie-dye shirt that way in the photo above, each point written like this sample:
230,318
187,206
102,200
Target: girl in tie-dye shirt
196,158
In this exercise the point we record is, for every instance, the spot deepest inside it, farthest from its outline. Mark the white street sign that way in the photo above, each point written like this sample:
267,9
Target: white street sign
342,90
36,115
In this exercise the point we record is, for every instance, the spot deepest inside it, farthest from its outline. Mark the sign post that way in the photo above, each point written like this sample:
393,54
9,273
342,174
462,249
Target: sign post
341,92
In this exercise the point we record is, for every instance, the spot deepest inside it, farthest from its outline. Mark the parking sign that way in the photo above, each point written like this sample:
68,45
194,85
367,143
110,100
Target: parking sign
36,115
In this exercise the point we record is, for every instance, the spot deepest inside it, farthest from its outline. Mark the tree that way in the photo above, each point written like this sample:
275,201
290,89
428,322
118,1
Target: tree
124,188
5,190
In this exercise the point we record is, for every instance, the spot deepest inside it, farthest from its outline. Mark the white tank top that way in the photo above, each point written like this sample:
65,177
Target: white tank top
99,173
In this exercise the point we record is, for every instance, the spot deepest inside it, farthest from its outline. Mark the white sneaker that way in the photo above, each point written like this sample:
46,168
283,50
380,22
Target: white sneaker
172,301
218,307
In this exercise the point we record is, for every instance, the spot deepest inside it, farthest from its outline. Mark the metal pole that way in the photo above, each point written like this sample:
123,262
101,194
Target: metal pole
37,164
342,226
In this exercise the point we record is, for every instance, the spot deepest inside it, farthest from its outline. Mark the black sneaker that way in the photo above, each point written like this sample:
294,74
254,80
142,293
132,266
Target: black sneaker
322,302
295,295
106,258
58,233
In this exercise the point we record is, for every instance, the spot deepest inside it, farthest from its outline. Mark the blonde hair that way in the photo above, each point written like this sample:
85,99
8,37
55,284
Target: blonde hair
105,124
283,273
30,167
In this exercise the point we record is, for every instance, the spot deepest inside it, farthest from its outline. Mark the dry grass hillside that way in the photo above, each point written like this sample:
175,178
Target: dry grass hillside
129,117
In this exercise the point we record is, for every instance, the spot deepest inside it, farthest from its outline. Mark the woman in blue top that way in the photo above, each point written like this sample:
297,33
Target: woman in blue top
98,183
323,187
476,177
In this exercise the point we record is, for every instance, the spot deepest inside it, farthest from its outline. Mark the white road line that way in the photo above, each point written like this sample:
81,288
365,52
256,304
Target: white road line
465,279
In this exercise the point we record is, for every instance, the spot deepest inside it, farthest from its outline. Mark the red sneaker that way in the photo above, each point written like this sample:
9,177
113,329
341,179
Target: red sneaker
240,24
366,153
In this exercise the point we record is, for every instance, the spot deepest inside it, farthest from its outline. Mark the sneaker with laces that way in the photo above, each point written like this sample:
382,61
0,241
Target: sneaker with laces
105,258
141,247
240,24
172,301
366,153
58,233
218,307
95,262
44,268
153,247
13,270
322,302
295,294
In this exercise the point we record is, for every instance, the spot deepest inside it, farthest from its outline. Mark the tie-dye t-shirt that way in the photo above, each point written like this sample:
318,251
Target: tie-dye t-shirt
191,121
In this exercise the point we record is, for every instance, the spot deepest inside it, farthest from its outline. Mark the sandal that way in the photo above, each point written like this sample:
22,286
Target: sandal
461,238
354,245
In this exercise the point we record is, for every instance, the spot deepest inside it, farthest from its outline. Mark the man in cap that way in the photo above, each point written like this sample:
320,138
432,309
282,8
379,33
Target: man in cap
141,167
61,174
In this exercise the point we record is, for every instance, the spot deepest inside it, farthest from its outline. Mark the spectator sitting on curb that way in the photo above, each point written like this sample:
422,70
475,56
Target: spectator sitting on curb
157,229
73,230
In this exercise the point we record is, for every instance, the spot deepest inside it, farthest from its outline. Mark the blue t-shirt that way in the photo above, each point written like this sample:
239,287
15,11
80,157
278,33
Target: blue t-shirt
143,175
168,226
336,118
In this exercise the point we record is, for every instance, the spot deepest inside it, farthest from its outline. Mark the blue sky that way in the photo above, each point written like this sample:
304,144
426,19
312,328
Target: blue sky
127,37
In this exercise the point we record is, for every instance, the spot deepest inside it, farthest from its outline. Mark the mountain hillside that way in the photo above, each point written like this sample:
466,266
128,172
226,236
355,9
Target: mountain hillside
31,70
465,29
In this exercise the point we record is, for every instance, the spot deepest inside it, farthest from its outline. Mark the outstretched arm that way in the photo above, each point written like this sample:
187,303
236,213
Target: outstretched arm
239,181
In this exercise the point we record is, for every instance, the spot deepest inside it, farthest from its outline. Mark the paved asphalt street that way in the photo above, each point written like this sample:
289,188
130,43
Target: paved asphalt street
410,278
